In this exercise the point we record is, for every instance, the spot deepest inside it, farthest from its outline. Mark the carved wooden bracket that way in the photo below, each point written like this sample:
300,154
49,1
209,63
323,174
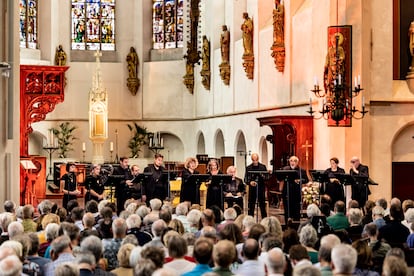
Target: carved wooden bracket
278,47
248,65
225,72
192,55
41,89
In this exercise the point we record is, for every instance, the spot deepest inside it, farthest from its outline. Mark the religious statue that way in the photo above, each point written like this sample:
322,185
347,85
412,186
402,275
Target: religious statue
205,68
411,45
132,60
248,56
60,56
225,44
247,28
278,47
334,72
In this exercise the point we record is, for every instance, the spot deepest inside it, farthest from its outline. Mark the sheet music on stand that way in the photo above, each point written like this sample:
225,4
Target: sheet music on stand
319,176
258,175
197,179
217,181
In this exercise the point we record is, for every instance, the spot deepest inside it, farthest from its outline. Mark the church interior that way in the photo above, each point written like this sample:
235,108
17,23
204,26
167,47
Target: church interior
220,79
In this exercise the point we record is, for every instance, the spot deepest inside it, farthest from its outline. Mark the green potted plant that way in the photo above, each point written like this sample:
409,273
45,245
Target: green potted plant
139,137
65,138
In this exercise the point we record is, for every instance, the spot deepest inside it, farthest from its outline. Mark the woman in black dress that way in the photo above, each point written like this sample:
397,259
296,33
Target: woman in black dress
68,182
189,192
213,191
333,187
94,185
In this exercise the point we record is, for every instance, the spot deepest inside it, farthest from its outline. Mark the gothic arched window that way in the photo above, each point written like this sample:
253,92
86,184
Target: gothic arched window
167,24
93,25
28,23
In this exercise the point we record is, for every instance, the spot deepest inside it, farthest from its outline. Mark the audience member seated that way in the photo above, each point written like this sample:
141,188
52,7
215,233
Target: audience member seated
364,259
344,259
338,221
355,228
394,232
308,238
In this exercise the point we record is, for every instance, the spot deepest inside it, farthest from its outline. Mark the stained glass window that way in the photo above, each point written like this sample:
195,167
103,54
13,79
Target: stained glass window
93,25
28,23
167,24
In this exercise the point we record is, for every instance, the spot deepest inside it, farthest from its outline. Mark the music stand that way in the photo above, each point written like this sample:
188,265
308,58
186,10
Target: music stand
364,180
288,176
197,179
257,176
346,180
218,181
321,177
28,166
167,176
114,179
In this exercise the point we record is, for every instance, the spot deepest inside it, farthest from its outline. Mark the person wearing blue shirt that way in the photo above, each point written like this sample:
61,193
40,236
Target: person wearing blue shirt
203,250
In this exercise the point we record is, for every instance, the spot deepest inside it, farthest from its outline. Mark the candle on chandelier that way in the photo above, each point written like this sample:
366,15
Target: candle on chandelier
359,80
315,80
83,146
111,146
363,101
356,83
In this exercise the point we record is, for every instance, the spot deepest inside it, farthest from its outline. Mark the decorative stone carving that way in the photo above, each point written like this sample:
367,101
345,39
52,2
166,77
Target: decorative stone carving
205,68
278,47
133,81
248,56
225,55
192,56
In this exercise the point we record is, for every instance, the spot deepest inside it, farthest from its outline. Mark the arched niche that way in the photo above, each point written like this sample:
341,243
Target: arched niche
264,154
403,162
201,144
219,144
241,154
173,147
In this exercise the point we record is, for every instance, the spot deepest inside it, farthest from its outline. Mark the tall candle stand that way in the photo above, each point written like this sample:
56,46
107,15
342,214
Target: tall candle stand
50,150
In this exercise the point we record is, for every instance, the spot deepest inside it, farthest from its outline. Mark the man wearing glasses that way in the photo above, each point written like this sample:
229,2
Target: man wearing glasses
360,189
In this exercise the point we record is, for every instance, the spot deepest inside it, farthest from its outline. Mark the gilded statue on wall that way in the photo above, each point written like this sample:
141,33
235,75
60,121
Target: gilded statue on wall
133,81
335,62
410,74
205,68
278,47
225,55
60,56
248,55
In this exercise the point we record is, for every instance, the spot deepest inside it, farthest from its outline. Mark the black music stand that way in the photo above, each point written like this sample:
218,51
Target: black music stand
167,176
113,180
366,181
288,176
257,176
321,177
218,181
346,180
197,179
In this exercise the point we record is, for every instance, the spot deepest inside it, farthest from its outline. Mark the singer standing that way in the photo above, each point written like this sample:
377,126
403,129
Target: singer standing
292,190
189,188
256,186
124,173
94,185
360,190
134,189
334,188
156,185
68,182
213,192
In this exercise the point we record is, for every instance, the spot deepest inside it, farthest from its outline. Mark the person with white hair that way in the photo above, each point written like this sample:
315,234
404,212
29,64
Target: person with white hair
158,228
11,265
111,246
378,216
134,224
324,254
94,245
247,223
135,256
230,215
308,238
408,219
181,212
194,219
15,228
276,262
344,259
61,252
5,219
155,205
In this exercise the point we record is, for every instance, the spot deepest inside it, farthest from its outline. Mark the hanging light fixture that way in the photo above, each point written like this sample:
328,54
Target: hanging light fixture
337,105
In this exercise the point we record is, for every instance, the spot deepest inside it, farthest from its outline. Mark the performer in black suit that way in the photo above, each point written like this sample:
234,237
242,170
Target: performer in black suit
334,187
256,186
94,185
213,192
135,189
291,191
68,182
360,190
156,186
189,191
234,191
120,185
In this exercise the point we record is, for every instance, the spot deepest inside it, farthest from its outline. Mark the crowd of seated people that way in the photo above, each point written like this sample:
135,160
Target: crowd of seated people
159,239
